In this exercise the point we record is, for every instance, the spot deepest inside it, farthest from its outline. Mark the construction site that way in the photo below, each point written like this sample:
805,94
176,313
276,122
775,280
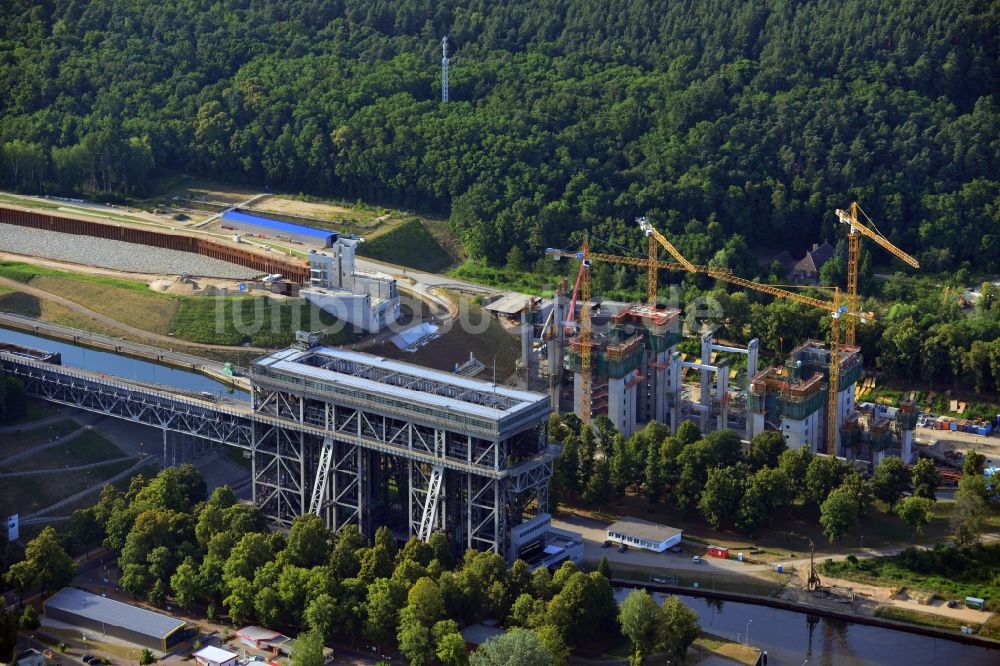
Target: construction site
630,362
621,361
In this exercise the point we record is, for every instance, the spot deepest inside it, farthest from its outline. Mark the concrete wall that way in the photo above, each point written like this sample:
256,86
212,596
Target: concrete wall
804,433
293,271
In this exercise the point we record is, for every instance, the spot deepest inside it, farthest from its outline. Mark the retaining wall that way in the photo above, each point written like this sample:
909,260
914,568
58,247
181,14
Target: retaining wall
294,271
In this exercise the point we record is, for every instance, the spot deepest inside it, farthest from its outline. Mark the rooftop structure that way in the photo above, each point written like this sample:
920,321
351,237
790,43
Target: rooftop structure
214,656
644,534
114,618
366,300
403,389
246,222
807,268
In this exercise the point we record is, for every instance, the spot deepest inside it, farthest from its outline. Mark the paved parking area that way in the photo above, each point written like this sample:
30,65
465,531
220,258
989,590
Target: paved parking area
594,534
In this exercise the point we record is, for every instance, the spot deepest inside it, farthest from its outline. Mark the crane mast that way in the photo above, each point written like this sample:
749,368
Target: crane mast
585,340
858,229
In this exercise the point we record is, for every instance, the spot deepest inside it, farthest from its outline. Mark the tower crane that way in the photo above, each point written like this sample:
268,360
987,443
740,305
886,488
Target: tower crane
850,218
834,307
652,265
585,341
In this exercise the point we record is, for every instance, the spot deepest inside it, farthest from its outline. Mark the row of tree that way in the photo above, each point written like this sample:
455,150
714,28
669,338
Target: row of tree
731,485
216,555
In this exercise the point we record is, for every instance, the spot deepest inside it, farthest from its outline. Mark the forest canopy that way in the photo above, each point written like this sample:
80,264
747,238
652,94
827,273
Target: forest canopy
715,118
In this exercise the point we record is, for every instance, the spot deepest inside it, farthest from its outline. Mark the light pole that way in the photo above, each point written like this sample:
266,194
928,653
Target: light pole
746,636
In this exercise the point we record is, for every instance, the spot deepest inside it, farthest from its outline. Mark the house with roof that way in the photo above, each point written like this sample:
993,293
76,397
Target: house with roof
807,268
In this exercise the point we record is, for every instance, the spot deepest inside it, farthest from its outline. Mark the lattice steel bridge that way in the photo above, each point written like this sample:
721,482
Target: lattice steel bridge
353,438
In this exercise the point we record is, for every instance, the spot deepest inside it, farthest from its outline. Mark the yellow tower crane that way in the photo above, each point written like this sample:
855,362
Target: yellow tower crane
834,307
585,340
850,218
652,265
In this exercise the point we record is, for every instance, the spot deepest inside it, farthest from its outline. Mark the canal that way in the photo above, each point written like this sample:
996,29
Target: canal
76,356
791,638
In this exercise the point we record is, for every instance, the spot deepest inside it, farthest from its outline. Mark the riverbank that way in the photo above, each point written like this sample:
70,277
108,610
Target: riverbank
812,610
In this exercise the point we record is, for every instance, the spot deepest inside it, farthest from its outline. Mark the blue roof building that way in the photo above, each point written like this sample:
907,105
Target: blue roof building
255,224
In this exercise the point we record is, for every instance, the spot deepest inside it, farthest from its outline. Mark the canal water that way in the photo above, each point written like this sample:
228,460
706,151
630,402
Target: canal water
75,356
792,639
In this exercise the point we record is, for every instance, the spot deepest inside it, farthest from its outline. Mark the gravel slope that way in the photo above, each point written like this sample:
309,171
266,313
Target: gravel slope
116,255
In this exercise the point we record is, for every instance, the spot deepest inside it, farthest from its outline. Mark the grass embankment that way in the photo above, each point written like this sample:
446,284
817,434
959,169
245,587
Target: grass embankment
90,447
523,281
12,443
27,494
788,533
760,583
945,571
916,617
410,244
227,320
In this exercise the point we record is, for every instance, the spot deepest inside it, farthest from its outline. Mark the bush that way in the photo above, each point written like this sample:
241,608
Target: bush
29,619
146,657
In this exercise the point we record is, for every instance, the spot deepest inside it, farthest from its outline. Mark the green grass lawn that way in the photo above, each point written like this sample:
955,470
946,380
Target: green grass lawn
89,447
946,572
227,320
12,443
525,282
411,245
259,320
37,410
27,494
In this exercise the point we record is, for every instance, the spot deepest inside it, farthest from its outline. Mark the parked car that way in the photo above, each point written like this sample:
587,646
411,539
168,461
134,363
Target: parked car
606,544
676,549
696,559
90,659
657,579
622,548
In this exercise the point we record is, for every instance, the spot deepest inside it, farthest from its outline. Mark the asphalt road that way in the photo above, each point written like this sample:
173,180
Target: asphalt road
595,533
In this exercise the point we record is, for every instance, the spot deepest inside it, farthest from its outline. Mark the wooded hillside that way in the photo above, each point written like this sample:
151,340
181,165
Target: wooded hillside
714,117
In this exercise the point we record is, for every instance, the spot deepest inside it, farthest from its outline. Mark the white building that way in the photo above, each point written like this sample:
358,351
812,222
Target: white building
639,533
540,545
366,300
213,656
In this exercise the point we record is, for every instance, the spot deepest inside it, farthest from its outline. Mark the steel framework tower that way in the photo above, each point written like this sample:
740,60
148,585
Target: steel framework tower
444,69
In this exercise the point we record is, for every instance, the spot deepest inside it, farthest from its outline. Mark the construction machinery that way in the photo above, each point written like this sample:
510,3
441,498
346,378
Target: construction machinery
857,229
834,307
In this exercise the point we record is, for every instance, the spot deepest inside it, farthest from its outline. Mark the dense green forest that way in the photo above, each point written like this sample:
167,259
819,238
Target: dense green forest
732,124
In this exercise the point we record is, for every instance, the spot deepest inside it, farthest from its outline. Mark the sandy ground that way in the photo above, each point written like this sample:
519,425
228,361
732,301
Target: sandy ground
963,441
321,211
595,533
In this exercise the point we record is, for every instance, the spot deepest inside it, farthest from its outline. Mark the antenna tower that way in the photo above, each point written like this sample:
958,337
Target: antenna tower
444,69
